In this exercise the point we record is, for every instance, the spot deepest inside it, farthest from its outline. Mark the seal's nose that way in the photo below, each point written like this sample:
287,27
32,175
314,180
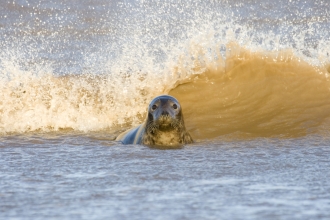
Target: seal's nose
165,113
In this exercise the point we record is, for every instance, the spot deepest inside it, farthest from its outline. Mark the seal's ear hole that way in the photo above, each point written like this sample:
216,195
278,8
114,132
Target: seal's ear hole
175,106
153,107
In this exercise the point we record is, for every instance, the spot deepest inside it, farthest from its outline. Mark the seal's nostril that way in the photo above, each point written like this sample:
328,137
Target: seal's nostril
165,113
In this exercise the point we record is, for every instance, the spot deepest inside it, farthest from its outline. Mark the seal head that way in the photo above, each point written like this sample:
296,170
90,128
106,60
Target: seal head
164,125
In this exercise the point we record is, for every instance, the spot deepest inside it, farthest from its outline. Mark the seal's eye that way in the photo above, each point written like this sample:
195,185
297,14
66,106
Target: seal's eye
175,106
154,107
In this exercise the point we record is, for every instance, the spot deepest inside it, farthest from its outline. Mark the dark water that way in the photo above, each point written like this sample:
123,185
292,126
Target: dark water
253,80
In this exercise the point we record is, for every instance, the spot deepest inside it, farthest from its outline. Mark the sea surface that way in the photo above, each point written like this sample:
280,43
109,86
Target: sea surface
252,77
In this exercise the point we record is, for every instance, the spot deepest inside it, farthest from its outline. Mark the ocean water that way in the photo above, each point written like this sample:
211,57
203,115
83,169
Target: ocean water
252,78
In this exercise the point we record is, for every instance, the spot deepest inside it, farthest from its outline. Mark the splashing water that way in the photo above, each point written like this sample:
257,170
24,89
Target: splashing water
61,71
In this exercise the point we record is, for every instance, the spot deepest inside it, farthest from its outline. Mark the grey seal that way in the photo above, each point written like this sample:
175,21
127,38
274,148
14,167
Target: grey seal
164,125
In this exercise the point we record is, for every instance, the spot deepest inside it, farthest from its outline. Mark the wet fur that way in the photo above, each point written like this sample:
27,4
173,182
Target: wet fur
164,126
176,131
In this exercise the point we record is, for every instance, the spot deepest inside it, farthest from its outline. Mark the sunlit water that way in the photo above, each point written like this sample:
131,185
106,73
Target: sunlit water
252,78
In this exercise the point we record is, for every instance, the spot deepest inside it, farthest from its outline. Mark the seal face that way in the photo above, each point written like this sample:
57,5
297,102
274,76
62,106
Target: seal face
164,125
